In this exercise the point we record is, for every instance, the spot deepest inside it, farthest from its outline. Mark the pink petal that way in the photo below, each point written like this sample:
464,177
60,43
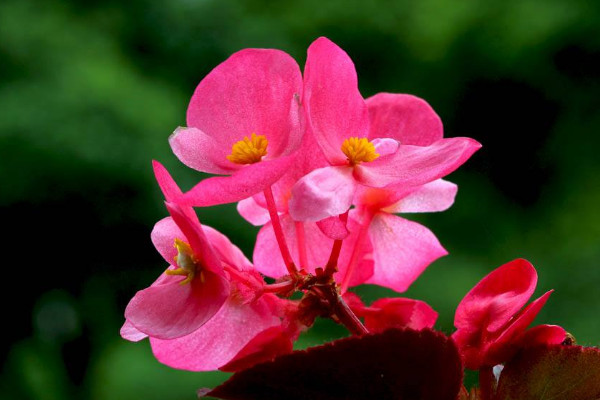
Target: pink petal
356,250
325,192
504,346
251,179
402,250
163,237
253,91
265,346
403,117
432,197
172,310
219,340
201,152
497,297
267,257
335,107
227,252
385,146
130,332
167,185
543,335
252,212
399,313
333,228
414,165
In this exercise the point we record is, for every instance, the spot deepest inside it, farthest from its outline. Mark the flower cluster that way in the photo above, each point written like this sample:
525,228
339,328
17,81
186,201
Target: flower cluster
324,172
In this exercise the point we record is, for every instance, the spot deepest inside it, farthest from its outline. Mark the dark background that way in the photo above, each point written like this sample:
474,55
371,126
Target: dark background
90,91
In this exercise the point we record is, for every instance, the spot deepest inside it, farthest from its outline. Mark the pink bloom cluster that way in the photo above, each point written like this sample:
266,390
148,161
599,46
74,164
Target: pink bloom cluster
324,172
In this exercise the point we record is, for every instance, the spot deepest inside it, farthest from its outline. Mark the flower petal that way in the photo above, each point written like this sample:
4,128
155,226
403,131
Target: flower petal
219,340
325,192
403,117
201,152
226,251
543,335
432,197
415,165
399,313
335,107
163,237
252,212
130,332
333,228
497,297
253,91
402,250
171,310
251,179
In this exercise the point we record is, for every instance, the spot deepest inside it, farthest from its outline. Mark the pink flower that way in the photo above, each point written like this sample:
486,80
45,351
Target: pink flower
389,139
245,121
491,324
402,249
208,309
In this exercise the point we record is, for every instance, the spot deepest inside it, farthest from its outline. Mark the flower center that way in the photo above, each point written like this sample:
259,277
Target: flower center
249,150
186,263
358,150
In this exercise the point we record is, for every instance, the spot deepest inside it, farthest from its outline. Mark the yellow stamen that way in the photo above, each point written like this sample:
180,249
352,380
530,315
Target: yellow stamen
186,263
358,150
249,150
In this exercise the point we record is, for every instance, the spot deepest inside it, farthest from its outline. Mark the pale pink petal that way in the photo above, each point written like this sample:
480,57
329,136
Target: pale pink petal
403,117
253,91
325,192
399,313
130,332
414,165
402,250
251,179
172,310
335,107
356,256
385,146
163,237
265,346
252,212
227,251
334,228
219,340
497,297
432,197
201,152
267,256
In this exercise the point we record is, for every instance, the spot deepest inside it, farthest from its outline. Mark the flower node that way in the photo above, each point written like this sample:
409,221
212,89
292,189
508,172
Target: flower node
358,150
249,150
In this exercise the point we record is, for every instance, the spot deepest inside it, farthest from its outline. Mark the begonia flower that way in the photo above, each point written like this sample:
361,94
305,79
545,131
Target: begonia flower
491,321
244,120
188,328
364,152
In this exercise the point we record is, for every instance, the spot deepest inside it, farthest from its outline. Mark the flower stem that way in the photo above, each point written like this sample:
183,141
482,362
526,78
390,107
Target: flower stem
283,247
348,318
280,287
331,267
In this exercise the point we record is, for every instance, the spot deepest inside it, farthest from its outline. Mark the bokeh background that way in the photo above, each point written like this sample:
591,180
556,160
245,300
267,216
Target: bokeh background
90,91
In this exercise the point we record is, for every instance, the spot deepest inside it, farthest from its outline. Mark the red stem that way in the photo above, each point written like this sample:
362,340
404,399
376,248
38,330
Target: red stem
300,236
348,318
279,287
331,266
283,247
486,383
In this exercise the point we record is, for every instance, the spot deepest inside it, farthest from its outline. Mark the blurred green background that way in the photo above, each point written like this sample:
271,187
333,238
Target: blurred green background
90,91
